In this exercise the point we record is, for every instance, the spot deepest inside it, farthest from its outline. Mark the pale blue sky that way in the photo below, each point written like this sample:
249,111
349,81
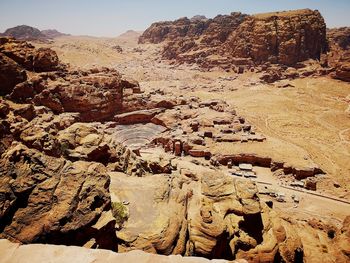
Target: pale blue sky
110,18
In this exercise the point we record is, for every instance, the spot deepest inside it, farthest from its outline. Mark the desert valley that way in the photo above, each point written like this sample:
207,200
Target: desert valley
196,140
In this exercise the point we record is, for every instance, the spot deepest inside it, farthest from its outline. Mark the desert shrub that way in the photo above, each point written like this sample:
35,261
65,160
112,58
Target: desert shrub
120,212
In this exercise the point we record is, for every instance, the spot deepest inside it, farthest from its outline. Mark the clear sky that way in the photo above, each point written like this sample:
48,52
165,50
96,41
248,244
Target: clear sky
112,17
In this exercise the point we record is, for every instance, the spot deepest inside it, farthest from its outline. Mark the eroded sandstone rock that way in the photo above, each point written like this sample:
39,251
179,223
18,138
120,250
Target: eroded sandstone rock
339,55
12,252
28,57
45,59
236,39
48,199
10,74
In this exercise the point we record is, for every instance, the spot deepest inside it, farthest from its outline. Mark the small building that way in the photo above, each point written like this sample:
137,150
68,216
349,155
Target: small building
239,173
249,174
297,184
245,167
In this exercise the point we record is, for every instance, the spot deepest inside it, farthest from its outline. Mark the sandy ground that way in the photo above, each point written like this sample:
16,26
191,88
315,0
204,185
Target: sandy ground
305,123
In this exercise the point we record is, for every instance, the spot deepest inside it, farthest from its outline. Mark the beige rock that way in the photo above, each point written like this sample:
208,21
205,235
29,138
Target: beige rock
12,252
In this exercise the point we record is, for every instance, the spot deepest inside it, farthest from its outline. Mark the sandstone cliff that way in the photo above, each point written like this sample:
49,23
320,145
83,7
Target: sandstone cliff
282,37
236,39
72,171
95,94
339,55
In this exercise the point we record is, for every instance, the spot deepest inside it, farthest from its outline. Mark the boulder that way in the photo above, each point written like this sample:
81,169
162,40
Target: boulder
95,96
45,59
45,198
10,74
141,116
342,72
28,57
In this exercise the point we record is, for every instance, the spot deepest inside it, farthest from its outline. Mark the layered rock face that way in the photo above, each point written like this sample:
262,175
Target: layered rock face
282,37
28,57
339,55
208,214
47,198
138,177
215,29
95,94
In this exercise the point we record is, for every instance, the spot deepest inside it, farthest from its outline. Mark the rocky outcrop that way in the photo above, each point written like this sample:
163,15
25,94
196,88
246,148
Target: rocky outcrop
83,163
339,55
282,37
339,36
207,214
96,94
342,72
28,57
24,32
211,29
141,116
45,59
10,74
344,238
12,252
48,199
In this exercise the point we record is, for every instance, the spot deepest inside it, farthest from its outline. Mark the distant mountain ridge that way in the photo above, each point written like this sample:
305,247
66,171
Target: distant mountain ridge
131,34
52,33
24,32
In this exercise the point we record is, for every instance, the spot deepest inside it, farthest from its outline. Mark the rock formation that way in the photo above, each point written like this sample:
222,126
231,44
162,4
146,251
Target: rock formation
339,55
89,159
283,38
27,57
217,216
24,32
95,94
10,74
53,33
11,252
191,28
47,198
